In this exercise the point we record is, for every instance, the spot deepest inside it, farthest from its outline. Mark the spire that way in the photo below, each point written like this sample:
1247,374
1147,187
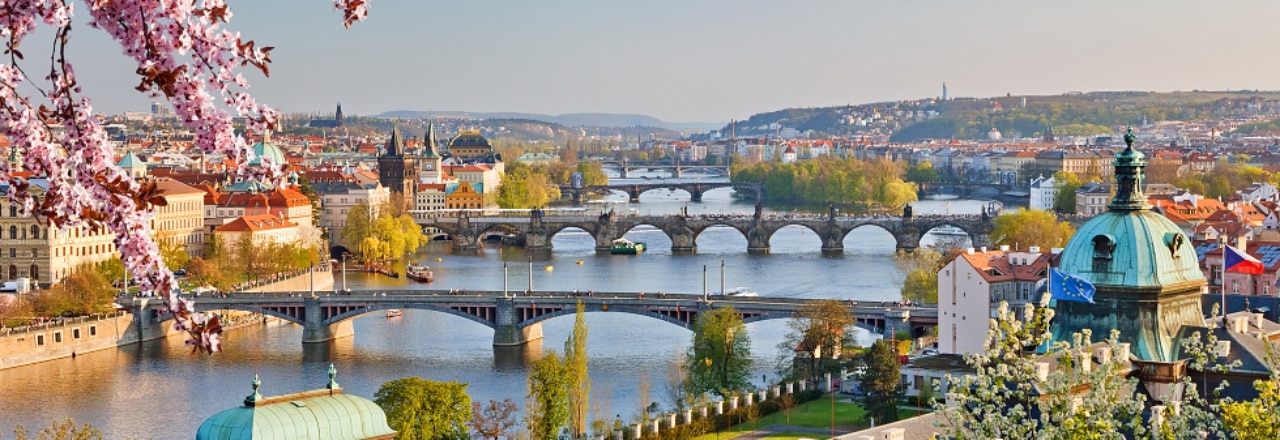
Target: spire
395,146
429,143
1129,166
255,397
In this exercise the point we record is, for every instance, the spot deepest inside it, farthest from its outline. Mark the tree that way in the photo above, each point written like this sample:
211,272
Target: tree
719,358
921,266
359,225
677,386
90,292
1065,200
60,430
494,419
922,173
421,409
182,54
1026,227
881,381
1258,418
173,251
523,188
205,273
822,328
575,360
548,408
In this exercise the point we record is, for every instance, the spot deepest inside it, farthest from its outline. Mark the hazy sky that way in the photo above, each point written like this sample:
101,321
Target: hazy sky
713,60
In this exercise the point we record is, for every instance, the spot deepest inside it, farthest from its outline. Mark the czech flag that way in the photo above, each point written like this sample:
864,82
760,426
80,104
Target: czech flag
1239,262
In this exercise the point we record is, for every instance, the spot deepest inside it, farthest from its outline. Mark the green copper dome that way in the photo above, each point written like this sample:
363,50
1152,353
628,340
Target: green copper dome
318,414
267,149
1146,272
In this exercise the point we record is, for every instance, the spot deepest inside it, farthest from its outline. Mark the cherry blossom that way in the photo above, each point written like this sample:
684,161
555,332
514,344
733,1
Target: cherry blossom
184,55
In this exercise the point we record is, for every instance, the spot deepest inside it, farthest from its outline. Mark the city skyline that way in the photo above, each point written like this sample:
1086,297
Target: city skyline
703,62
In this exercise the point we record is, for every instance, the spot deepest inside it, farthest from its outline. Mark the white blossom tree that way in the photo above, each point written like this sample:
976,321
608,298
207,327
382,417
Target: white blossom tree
183,55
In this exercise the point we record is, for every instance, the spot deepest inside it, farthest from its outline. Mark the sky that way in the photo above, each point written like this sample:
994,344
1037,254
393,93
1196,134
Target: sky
716,60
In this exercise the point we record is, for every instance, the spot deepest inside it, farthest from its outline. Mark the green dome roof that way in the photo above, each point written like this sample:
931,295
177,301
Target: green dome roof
337,416
267,149
1138,248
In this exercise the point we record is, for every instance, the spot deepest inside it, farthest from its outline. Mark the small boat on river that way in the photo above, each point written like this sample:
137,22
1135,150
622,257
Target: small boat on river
393,313
418,272
623,246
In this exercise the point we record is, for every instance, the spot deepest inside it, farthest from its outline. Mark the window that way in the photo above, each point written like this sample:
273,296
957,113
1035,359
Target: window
13,211
39,340
93,330
1235,286
13,253
35,253
35,231
919,380
57,337
13,232
75,333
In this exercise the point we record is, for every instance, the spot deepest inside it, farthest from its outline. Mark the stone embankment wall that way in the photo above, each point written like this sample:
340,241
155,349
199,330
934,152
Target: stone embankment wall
72,336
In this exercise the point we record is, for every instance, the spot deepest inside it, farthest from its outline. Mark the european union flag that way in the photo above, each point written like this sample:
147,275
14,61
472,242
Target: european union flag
1066,287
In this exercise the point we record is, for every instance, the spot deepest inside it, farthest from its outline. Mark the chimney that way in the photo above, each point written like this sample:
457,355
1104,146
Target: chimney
1240,324
1242,243
1223,349
1122,350
1086,362
894,434
1042,371
969,251
1257,320
1004,248
1102,354
984,249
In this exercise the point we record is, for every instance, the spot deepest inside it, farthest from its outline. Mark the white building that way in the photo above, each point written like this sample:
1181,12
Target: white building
1043,191
972,286
337,198
1258,192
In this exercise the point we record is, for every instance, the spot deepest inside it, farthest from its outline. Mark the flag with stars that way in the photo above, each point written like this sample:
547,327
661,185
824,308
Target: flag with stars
1067,287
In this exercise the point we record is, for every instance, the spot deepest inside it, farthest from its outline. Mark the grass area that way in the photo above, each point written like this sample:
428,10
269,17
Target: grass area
795,436
849,416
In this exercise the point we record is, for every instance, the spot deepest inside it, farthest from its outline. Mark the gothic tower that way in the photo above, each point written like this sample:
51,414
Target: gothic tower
337,116
396,171
429,169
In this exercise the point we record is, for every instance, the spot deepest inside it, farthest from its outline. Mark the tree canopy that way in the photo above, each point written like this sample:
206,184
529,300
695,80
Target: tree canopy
1028,227
421,409
719,357
822,328
876,184
523,187
548,408
881,380
380,235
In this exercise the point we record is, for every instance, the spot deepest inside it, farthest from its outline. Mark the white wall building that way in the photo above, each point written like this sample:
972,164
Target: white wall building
1043,191
971,288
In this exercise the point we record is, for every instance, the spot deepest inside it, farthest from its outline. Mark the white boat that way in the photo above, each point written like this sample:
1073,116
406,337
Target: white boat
393,313
740,291
950,231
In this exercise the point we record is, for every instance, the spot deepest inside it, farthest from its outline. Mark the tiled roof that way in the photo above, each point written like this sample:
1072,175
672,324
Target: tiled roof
258,222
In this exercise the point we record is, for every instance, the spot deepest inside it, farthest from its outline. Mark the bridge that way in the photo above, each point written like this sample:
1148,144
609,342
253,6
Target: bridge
695,189
536,231
516,319
625,166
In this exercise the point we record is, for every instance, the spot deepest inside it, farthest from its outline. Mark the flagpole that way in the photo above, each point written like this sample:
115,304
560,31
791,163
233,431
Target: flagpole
1223,278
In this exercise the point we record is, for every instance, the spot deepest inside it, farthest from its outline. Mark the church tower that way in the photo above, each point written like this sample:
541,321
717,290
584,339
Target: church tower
396,170
337,116
429,171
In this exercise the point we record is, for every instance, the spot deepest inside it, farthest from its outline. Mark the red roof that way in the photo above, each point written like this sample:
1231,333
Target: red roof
259,222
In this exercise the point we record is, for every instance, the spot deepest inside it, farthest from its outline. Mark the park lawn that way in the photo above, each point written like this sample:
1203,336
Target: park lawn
812,414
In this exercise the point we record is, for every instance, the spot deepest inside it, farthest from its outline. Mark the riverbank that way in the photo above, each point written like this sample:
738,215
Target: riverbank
70,337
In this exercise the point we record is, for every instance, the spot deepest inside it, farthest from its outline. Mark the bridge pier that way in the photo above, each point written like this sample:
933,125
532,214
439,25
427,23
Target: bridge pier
833,240
314,330
695,195
634,192
758,241
624,172
507,331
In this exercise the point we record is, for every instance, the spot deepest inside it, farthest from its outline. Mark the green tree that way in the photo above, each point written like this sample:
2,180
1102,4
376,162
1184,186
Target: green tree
172,251
592,174
87,290
720,355
421,409
881,380
921,286
523,188
575,360
922,173
823,328
1026,227
1065,200
359,225
1258,418
548,408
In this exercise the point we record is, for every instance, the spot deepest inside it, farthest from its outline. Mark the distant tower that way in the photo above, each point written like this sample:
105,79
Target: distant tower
944,91
1024,102
337,116
396,171
430,161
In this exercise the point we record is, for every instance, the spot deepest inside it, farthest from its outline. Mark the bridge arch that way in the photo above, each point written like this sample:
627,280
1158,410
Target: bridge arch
429,307
697,232
810,232
864,228
569,311
961,236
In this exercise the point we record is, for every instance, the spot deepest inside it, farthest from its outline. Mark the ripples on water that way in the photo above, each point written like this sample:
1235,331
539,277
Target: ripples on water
157,390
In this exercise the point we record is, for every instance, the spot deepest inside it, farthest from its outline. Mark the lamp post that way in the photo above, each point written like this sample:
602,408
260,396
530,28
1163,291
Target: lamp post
345,255
504,280
530,291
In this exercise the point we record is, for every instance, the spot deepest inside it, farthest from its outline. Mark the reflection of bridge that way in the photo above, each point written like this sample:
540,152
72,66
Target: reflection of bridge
536,231
625,166
695,189
517,320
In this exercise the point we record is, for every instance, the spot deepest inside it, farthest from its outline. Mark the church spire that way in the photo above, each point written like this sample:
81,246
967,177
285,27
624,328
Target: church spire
395,146
1129,167
430,142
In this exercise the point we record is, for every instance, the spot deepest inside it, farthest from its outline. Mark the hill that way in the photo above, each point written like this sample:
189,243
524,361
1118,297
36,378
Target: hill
614,120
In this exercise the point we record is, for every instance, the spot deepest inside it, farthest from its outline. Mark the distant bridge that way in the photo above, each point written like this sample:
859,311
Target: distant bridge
625,167
535,231
695,189
517,319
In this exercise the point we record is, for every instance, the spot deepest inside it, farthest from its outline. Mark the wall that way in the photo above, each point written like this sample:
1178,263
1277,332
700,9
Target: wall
299,283
19,348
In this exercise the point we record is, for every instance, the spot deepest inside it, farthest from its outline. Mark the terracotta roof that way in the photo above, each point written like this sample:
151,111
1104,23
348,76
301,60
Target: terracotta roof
258,222
172,187
996,267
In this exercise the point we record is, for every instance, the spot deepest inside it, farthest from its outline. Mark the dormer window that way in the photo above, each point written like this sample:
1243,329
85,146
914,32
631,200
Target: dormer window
1104,247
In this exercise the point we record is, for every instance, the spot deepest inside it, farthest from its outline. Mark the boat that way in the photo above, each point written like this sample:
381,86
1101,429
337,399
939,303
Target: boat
418,272
393,313
740,291
549,268
623,246
950,231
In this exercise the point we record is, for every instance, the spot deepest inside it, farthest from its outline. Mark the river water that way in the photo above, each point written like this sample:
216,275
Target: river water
158,390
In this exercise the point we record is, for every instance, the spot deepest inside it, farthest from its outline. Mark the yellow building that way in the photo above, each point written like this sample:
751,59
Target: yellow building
29,248
464,197
182,218
259,229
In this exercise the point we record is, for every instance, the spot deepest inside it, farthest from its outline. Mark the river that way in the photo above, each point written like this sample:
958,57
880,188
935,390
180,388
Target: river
158,390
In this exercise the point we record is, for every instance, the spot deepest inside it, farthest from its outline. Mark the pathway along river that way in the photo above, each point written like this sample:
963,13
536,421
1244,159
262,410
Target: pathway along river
158,390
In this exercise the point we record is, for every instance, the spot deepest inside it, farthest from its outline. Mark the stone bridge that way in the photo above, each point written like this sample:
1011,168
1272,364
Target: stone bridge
625,166
695,189
536,231
517,319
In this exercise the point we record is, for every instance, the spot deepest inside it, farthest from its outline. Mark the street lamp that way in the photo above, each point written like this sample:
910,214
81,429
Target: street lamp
345,255
504,280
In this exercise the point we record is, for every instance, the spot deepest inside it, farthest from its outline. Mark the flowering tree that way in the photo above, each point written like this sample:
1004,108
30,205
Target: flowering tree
183,54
